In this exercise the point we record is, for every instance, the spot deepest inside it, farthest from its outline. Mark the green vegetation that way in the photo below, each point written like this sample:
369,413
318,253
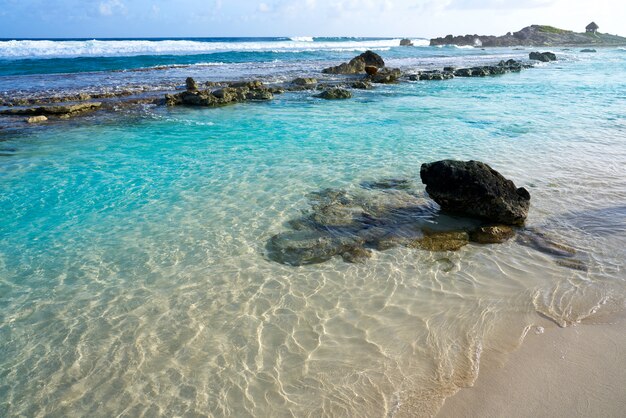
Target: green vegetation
552,29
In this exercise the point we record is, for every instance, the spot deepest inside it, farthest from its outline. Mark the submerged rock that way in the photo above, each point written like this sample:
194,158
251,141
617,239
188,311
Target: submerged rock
386,184
335,94
442,241
300,248
542,56
492,234
472,188
588,50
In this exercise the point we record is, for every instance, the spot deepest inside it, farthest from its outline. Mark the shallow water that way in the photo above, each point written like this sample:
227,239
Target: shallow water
133,275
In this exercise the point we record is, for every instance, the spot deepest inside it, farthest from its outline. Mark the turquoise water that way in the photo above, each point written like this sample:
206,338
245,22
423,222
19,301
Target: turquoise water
133,276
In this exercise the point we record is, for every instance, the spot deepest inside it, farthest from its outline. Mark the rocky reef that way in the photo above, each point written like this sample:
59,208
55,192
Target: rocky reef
534,35
235,93
362,72
63,111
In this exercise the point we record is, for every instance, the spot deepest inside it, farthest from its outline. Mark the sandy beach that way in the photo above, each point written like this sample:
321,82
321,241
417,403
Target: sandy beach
563,372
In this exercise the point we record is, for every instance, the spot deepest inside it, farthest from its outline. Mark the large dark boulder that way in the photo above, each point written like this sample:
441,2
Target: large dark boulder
372,59
472,188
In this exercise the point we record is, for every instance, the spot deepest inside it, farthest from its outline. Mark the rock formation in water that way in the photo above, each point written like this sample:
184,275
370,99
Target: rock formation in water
357,64
406,42
235,93
190,84
535,35
472,188
61,111
334,94
542,56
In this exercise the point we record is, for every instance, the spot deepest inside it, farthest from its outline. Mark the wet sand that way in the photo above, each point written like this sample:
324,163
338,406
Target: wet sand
563,372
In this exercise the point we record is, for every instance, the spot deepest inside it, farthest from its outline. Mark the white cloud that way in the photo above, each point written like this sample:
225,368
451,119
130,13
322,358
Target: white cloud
264,8
111,7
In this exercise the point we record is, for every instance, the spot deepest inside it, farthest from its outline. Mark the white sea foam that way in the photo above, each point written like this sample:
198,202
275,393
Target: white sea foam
302,38
95,48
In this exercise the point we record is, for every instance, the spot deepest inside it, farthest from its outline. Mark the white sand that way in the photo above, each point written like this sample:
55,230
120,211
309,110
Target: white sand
564,372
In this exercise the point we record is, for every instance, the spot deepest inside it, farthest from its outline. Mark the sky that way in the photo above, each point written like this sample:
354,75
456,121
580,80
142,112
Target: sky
232,18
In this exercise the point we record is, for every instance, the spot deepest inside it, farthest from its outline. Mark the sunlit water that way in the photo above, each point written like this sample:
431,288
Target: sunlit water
133,276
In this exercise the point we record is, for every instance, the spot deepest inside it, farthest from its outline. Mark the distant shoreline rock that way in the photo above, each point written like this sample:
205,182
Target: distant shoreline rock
534,35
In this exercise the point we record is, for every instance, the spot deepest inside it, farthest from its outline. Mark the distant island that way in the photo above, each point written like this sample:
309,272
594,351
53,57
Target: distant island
536,35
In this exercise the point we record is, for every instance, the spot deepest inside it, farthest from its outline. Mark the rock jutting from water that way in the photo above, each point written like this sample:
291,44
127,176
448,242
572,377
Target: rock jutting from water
235,93
334,94
357,64
542,56
61,111
406,42
472,188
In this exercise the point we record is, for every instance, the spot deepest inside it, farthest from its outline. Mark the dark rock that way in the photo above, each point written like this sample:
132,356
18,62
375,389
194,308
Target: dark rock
472,188
54,110
492,234
335,94
191,85
449,69
372,59
362,85
259,94
302,81
588,50
542,56
386,75
357,64
406,42
463,72
252,85
371,70
221,97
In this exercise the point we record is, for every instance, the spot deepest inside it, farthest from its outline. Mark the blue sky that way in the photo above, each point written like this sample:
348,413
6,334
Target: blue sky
210,18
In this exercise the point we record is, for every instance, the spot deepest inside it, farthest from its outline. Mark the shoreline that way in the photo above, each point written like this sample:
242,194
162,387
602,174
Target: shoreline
555,372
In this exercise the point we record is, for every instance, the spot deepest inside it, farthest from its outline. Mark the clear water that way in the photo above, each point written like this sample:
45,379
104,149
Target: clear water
133,280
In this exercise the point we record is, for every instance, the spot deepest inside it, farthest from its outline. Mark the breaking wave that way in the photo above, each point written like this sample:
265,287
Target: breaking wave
20,49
